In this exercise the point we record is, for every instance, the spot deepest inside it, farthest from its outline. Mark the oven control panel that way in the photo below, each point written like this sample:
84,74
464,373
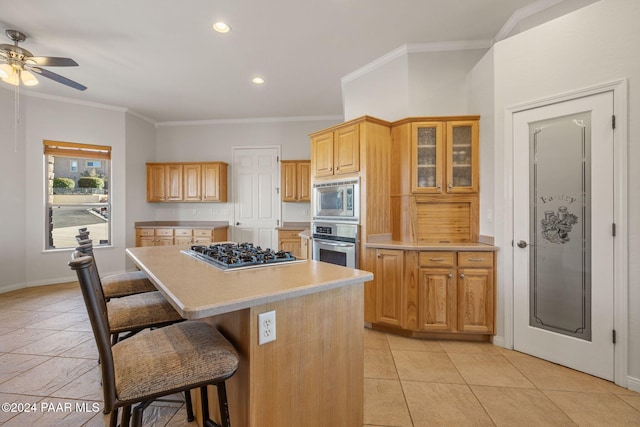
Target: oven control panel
336,231
323,230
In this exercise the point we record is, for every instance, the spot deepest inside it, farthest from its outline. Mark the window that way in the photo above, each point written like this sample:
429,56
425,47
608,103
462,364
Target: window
76,197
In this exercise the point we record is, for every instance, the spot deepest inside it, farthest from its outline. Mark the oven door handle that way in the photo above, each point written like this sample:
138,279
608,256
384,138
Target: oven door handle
341,245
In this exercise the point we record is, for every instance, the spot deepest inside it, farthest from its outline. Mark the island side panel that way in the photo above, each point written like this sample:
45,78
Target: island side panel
312,375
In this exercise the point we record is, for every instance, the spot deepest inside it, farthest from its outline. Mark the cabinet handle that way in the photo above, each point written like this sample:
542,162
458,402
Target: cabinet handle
476,259
450,276
436,259
379,256
462,276
450,185
439,187
330,169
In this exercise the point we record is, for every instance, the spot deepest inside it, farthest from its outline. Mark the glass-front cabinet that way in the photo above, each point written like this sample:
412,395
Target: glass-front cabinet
445,157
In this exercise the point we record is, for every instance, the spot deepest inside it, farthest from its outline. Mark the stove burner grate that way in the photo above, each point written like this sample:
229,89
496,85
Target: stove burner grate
233,255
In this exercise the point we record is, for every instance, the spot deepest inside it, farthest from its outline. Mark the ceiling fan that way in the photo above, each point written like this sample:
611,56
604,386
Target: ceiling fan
18,64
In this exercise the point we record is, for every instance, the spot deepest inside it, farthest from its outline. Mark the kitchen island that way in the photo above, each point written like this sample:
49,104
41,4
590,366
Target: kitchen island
312,374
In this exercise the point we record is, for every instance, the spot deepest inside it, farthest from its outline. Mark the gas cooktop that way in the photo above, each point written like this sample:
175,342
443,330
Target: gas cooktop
228,256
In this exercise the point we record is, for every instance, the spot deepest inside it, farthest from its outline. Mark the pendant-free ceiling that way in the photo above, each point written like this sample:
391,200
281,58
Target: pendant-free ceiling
19,65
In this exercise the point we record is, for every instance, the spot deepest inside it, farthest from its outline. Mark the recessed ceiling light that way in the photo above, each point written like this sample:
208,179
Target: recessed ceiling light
258,80
221,27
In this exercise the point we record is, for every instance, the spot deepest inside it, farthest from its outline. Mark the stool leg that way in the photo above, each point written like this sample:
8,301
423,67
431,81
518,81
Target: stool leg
126,416
138,413
224,405
189,405
204,401
113,419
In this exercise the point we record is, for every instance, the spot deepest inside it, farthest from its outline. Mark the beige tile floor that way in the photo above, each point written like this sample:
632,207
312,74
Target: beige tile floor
48,360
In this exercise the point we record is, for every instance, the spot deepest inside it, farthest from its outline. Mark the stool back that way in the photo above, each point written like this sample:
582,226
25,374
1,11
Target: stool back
85,268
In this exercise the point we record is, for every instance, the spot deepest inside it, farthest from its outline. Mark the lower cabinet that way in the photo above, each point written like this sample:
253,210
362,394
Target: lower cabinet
435,291
289,241
389,289
167,236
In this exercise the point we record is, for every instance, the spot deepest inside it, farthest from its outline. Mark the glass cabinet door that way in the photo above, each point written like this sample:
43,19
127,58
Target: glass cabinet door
427,157
462,157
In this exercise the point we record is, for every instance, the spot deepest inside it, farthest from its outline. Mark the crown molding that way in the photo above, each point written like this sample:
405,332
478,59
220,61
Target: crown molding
415,48
72,101
141,117
521,14
251,120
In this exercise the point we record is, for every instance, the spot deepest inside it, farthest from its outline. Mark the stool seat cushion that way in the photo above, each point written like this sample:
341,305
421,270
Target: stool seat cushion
180,356
129,283
139,311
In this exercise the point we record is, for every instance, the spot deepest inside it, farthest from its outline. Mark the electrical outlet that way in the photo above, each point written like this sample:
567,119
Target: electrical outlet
266,327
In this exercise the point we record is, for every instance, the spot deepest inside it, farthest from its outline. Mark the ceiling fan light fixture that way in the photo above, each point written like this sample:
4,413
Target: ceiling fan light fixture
28,78
221,27
13,78
5,71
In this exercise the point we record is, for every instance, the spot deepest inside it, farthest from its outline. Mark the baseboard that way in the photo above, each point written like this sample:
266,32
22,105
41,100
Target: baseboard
498,340
49,281
633,384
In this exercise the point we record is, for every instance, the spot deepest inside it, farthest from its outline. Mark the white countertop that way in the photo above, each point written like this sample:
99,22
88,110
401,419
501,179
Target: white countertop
197,289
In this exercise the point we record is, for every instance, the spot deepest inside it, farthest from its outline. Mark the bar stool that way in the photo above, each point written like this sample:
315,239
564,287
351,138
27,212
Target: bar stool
155,363
117,285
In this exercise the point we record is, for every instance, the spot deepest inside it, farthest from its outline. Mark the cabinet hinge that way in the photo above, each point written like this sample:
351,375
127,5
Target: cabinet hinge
277,190
614,336
278,222
613,121
277,158
613,229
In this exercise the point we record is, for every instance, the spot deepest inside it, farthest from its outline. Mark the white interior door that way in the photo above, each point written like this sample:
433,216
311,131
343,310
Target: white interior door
256,181
563,240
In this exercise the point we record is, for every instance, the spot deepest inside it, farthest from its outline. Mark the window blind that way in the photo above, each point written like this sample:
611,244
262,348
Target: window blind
72,149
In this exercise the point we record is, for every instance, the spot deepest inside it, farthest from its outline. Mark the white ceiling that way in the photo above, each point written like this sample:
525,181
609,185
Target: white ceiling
162,59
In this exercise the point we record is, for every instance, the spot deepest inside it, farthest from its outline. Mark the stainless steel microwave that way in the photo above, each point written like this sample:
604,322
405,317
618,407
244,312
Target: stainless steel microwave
337,200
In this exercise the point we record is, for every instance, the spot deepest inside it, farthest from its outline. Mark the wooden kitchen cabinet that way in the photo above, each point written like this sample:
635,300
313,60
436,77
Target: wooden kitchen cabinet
435,293
164,182
445,157
187,182
183,236
475,292
289,241
336,152
389,287
296,180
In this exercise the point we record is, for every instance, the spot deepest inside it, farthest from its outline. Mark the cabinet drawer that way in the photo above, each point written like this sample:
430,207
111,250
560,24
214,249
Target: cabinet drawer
437,259
182,232
475,259
202,233
145,232
165,232
288,234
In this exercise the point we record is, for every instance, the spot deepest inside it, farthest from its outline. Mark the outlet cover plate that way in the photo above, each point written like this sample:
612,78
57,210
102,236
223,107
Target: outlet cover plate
266,327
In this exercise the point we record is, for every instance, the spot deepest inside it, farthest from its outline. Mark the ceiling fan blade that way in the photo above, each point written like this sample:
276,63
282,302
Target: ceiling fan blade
52,61
58,78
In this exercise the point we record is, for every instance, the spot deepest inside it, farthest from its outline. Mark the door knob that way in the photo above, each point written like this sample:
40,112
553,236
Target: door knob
523,244
237,223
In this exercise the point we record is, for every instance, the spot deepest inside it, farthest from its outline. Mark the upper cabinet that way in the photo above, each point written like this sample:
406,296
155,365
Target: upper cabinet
444,156
296,180
336,152
187,182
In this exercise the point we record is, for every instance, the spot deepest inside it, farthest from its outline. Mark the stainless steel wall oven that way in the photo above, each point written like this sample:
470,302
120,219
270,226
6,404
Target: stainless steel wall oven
336,243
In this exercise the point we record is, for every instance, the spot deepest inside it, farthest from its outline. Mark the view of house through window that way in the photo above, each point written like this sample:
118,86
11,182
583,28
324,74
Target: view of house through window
78,193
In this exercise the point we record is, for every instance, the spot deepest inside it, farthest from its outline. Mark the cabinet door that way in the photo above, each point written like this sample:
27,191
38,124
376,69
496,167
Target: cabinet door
164,241
475,300
289,181
427,157
155,183
145,241
322,154
389,289
304,181
346,155
462,156
192,176
214,182
437,299
173,189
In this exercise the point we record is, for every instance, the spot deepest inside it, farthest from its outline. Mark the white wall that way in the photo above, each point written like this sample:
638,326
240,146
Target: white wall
479,96
213,141
596,44
437,82
140,148
380,91
63,121
13,192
